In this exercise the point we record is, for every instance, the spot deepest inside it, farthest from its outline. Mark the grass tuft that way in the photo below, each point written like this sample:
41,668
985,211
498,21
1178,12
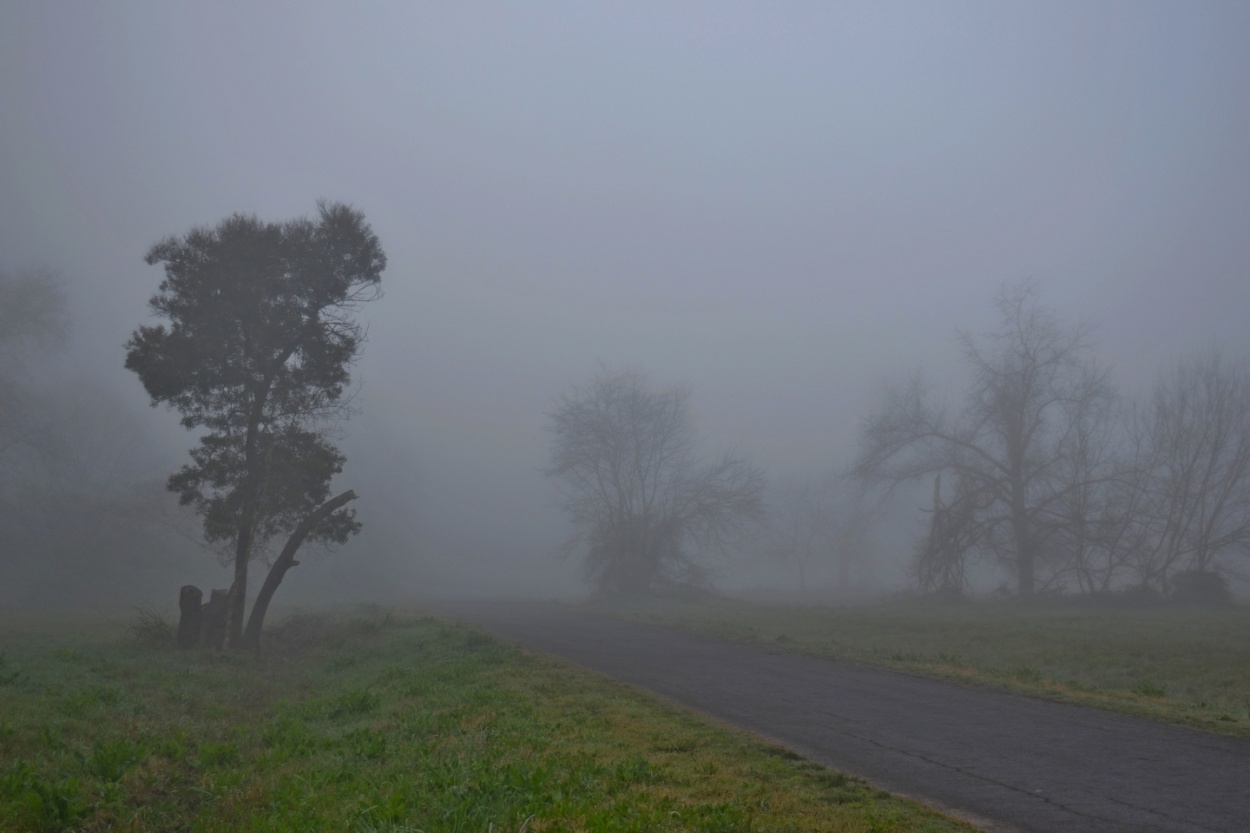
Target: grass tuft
110,760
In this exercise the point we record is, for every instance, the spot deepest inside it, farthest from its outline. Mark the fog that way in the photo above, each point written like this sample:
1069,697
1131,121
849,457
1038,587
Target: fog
783,206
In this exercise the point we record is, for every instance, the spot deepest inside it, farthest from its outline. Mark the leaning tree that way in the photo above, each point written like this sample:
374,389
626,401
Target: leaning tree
642,502
256,353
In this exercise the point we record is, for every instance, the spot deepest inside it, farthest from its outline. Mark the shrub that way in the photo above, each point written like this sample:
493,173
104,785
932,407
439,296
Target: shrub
152,629
1200,587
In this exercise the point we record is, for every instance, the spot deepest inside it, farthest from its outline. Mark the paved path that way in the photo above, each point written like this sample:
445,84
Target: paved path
1004,762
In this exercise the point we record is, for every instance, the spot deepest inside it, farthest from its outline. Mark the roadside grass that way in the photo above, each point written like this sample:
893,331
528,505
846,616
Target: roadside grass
375,722
1184,666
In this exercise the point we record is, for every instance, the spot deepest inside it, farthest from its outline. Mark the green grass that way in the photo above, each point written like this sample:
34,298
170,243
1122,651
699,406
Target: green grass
1190,667
380,723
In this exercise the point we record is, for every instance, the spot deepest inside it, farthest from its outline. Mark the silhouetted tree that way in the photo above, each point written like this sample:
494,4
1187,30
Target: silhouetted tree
1093,513
1196,469
637,493
1014,442
815,522
941,561
800,526
256,354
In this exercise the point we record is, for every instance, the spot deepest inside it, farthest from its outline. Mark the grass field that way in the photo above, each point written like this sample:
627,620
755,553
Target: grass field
1190,667
373,722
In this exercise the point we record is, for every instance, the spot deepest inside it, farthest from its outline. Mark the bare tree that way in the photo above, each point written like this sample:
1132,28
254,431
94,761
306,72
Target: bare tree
1095,508
821,522
637,492
941,562
1030,379
854,518
1196,486
800,526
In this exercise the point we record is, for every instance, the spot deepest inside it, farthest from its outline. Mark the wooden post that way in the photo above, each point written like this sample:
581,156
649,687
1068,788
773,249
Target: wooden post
213,620
189,619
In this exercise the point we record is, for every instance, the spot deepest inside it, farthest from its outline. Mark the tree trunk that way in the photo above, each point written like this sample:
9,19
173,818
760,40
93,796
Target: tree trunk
237,599
1021,524
247,520
285,561
1025,565
1026,551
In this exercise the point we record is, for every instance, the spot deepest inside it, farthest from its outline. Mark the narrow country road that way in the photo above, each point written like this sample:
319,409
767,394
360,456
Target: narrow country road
1003,762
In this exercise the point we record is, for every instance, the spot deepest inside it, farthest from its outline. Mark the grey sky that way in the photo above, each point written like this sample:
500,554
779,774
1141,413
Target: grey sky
783,205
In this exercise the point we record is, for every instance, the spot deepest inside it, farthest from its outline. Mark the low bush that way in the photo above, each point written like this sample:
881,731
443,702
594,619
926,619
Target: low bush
1200,588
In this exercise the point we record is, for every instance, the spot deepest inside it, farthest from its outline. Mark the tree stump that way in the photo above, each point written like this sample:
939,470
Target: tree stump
213,620
189,599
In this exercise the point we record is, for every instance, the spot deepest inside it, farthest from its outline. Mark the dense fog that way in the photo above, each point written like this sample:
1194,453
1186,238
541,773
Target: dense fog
783,209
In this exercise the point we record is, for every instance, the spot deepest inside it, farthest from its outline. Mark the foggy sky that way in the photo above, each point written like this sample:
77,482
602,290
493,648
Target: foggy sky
782,205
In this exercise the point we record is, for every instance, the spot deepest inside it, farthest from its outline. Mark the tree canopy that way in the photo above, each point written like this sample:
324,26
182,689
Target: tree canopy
256,352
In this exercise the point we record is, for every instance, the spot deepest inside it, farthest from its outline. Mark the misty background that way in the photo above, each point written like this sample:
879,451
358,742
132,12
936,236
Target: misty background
783,206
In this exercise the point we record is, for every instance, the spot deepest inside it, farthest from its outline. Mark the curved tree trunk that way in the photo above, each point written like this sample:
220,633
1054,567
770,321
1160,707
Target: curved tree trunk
285,561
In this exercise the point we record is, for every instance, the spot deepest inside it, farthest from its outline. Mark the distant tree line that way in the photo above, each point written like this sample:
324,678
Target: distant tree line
1044,468
820,522
80,509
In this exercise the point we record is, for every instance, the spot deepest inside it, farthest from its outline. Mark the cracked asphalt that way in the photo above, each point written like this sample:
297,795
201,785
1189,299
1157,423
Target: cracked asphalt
1000,761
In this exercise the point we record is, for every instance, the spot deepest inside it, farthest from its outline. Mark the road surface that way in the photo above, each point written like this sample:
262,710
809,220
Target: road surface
1003,762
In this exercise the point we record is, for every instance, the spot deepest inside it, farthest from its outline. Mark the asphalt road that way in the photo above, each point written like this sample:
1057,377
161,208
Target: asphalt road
1003,762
